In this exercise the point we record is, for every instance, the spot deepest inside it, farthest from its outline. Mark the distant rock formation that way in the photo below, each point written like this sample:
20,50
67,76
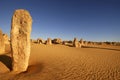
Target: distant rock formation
76,43
81,43
40,41
85,43
33,41
20,39
64,42
2,43
57,41
48,42
6,38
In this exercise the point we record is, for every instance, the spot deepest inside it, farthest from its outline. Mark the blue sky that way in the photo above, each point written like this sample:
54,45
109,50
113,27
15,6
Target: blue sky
95,20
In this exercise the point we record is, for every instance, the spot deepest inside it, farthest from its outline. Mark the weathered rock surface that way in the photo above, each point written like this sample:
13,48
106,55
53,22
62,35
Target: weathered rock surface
57,41
2,44
76,42
6,38
64,42
85,43
81,43
48,42
20,39
40,41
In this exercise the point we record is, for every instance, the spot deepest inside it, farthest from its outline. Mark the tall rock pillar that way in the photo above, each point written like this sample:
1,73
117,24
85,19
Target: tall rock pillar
20,39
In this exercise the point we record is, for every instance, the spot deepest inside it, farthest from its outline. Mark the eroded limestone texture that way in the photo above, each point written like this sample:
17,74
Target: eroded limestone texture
2,44
20,39
76,42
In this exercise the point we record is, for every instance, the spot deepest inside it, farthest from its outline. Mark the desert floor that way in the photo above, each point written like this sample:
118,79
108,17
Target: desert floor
59,62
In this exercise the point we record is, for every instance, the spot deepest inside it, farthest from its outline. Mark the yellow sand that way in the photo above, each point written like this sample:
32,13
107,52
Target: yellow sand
59,62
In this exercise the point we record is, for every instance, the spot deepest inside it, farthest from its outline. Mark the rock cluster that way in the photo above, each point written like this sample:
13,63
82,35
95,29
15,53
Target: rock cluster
40,41
57,41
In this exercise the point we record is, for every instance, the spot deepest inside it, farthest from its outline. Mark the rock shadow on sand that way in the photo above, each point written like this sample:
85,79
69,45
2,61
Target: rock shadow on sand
7,61
33,69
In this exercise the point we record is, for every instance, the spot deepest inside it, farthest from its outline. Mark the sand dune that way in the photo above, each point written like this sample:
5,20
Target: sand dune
59,62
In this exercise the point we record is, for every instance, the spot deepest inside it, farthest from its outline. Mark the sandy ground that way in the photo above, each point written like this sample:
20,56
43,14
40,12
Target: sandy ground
59,62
